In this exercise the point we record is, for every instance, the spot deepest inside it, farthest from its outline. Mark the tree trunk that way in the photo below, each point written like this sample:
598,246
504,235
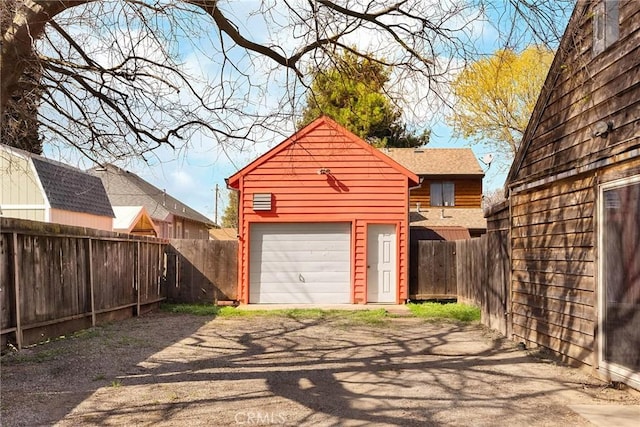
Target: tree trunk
28,24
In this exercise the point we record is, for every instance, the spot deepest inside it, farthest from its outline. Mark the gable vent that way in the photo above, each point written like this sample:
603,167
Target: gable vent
262,201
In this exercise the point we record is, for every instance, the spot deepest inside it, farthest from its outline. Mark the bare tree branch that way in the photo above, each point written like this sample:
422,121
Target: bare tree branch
118,79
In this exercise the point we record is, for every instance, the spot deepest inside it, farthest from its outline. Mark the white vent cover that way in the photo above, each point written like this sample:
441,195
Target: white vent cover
262,201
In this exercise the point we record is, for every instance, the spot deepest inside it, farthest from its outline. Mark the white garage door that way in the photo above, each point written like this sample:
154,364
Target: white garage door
300,263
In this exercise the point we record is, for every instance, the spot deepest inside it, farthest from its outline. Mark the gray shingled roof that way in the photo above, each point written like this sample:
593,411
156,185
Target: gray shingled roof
436,161
71,189
128,189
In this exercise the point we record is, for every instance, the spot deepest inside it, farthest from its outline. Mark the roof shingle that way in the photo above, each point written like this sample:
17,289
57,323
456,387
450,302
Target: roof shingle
68,188
128,189
472,218
436,161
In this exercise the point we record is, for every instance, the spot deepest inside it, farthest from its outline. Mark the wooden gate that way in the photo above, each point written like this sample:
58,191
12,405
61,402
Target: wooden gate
433,270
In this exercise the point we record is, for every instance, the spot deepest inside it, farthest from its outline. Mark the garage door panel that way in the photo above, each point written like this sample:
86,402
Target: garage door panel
300,263
301,298
304,236
300,277
307,288
319,245
300,257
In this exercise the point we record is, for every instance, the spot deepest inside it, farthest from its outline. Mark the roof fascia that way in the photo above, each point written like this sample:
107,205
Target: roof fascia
234,180
547,90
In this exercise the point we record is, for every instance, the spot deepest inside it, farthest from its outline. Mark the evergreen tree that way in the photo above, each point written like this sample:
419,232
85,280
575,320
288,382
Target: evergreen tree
352,92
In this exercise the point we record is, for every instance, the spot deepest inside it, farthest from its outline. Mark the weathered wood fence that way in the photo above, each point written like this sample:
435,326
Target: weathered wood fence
202,271
474,271
58,279
484,272
434,270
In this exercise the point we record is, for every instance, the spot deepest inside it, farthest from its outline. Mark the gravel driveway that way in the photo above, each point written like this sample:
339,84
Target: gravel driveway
175,370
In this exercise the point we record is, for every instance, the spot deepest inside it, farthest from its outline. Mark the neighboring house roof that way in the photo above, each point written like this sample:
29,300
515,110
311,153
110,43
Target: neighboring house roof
436,161
440,233
128,189
472,218
67,188
234,180
223,234
133,219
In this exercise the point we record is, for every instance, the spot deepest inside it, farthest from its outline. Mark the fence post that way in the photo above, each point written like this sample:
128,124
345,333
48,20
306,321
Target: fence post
92,292
137,257
16,286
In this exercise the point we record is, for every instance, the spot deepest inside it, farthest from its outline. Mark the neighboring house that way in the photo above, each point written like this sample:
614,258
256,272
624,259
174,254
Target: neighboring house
172,218
574,193
134,220
323,219
447,205
39,189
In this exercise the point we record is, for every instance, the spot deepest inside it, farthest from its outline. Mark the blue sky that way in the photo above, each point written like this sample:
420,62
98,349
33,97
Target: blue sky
192,174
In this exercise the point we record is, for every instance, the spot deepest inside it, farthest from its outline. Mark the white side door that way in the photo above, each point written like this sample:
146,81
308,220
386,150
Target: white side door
381,263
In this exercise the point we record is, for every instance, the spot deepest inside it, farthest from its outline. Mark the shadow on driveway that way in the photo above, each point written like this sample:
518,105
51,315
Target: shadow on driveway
269,371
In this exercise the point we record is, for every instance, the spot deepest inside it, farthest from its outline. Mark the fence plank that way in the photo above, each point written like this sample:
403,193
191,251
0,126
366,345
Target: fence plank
90,275
435,276
201,271
61,283
16,289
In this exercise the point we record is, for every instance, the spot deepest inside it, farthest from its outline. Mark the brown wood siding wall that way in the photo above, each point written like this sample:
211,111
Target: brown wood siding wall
589,89
553,271
468,192
361,189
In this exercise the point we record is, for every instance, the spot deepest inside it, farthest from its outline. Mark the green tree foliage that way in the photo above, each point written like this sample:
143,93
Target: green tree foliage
230,215
496,95
352,92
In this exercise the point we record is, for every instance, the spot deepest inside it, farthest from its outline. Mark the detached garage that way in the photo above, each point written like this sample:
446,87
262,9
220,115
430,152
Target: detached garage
323,218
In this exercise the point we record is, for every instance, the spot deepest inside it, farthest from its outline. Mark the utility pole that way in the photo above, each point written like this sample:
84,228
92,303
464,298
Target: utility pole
215,209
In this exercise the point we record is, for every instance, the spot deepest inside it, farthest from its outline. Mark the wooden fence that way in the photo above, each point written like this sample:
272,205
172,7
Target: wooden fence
202,271
433,270
484,272
475,271
59,279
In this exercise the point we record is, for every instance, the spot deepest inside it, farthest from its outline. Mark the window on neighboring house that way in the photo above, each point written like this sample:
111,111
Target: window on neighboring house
605,25
186,233
442,194
170,231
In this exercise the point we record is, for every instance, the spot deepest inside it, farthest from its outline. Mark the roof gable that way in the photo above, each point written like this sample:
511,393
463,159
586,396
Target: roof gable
437,161
326,122
67,188
549,86
133,218
128,189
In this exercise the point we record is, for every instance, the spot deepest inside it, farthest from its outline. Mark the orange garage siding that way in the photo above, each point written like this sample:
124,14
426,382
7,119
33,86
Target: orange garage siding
323,174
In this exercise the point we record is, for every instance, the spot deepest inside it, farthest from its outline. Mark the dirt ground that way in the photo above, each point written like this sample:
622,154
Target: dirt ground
173,370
